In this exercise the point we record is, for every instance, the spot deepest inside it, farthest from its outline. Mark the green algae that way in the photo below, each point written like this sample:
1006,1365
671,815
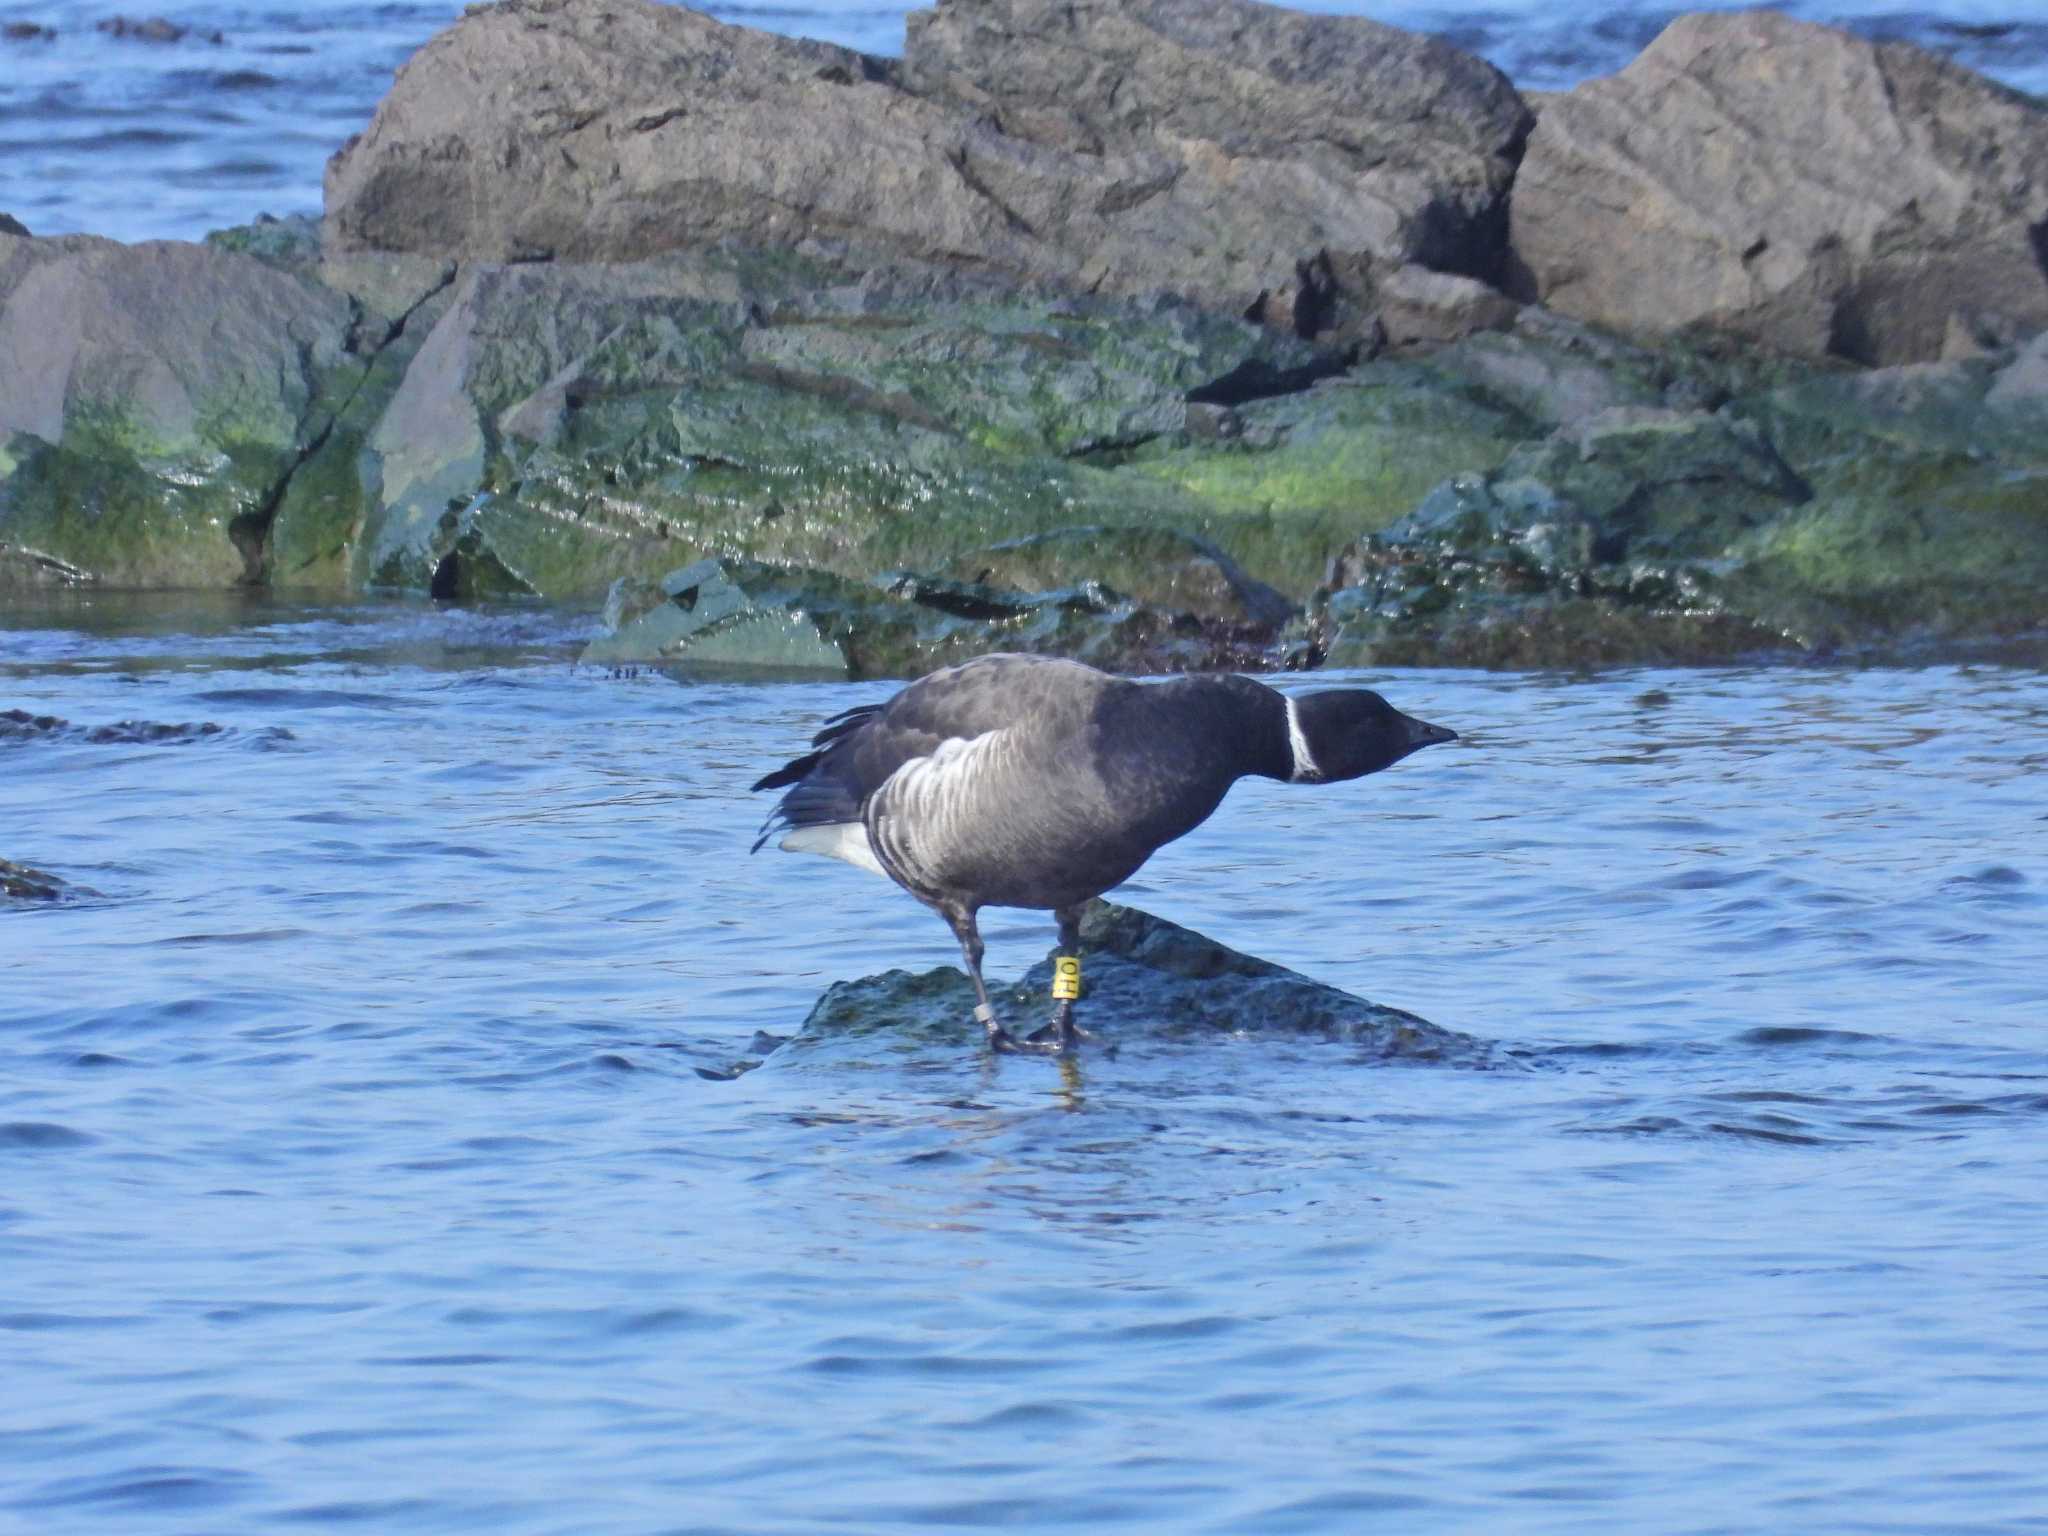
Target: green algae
93,504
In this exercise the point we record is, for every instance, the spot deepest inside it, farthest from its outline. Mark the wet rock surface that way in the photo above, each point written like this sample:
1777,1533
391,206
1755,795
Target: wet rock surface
760,618
19,726
1145,980
26,884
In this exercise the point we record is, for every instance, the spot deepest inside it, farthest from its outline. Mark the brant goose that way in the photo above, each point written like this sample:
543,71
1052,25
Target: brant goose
1023,781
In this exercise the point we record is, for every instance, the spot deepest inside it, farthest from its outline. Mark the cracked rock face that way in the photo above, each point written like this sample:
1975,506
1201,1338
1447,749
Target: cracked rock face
1210,149
155,400
1792,184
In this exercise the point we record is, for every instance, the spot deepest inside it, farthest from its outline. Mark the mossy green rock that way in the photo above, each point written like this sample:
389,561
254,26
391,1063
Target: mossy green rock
1821,509
1144,980
1287,481
724,614
902,466
624,419
154,402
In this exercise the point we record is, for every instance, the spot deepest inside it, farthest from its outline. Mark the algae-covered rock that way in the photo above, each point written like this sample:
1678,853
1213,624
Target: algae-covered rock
1823,509
157,402
1144,980
1162,568
1607,538
562,427
1922,550
741,614
1288,481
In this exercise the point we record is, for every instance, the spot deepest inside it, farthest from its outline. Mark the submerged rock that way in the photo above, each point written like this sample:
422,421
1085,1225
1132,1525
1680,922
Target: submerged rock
22,882
1144,979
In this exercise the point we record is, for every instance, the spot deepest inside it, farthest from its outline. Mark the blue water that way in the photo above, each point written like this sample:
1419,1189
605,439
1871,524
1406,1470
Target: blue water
357,1170
118,136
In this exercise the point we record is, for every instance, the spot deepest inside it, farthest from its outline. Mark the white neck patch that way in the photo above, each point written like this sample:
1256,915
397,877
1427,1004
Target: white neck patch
1305,769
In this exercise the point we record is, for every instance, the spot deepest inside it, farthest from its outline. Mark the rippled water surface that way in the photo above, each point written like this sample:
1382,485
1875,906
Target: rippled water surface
230,109
359,1165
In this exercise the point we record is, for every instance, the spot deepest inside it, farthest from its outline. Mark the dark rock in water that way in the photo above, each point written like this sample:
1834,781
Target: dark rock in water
20,882
1144,979
155,29
20,725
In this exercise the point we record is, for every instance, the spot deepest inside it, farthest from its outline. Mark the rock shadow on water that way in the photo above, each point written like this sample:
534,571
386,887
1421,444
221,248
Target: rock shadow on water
1145,981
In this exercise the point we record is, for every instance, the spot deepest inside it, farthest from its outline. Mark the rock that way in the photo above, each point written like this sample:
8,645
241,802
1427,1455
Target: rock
615,130
1816,511
1161,568
1789,183
19,725
154,29
155,402
10,225
2020,388
725,614
1982,410
1418,306
29,570
1144,980
20,882
1605,539
1285,138
561,427
1555,371
1298,476
26,32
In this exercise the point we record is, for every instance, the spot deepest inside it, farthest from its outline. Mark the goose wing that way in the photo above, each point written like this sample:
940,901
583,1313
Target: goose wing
932,722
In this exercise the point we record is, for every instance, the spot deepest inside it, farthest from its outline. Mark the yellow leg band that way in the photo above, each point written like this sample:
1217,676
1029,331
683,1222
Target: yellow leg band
1066,977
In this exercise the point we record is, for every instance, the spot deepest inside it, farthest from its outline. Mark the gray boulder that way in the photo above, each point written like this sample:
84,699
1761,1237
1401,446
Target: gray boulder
1790,183
1274,136
1143,979
1248,143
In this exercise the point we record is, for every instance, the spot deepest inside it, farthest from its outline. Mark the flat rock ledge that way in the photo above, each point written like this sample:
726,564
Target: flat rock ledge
1144,979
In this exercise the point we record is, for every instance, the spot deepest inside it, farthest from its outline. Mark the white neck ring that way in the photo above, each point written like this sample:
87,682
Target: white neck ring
1305,769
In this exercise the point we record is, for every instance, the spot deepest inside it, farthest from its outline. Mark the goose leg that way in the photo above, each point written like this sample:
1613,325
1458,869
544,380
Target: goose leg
961,920
1062,1034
